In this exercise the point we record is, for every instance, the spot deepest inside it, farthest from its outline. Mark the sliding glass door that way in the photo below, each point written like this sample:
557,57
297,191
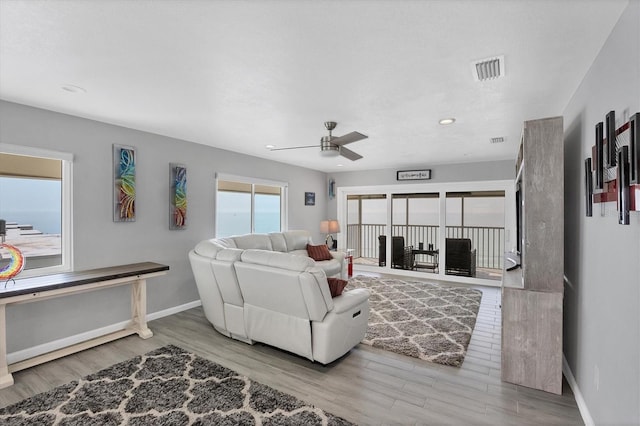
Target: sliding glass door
366,221
415,220
475,234
457,230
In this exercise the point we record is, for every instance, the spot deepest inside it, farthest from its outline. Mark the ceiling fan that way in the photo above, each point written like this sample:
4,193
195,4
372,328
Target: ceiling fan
332,146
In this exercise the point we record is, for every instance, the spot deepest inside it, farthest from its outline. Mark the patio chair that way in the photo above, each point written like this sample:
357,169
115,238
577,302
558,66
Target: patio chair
382,250
460,257
402,256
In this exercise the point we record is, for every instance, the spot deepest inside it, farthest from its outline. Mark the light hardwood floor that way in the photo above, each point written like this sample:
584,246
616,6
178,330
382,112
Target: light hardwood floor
368,386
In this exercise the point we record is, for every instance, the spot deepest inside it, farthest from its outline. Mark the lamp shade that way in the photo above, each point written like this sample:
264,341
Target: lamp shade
329,226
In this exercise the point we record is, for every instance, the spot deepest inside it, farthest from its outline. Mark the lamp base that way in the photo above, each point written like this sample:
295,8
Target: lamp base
331,242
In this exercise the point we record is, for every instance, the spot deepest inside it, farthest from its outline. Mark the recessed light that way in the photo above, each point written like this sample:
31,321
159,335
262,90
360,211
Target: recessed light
74,89
269,146
446,121
339,165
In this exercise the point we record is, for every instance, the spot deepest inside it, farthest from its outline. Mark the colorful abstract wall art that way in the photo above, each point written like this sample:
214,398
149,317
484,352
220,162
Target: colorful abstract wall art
124,188
178,196
15,265
614,162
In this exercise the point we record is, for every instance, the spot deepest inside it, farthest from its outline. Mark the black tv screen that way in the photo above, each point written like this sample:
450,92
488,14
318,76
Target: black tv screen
519,229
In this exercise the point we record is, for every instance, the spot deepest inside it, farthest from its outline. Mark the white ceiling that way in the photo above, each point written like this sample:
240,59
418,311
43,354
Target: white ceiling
239,75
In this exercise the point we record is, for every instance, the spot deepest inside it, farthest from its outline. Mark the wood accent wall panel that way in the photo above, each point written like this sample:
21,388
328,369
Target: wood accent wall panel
543,183
533,329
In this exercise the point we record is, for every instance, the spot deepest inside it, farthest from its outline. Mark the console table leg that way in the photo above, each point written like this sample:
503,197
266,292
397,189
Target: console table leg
139,309
6,379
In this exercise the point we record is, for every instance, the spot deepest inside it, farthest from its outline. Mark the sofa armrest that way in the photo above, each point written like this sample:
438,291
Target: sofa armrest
338,255
341,257
350,299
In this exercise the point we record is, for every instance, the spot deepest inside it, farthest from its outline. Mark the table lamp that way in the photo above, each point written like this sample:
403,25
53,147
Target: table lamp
330,227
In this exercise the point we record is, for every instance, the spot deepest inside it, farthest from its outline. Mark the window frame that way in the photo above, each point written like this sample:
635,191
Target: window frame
284,197
66,204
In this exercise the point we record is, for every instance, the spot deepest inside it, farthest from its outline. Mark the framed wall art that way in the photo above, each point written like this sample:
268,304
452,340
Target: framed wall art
614,161
309,198
124,183
588,191
610,119
177,196
599,156
413,174
622,184
634,148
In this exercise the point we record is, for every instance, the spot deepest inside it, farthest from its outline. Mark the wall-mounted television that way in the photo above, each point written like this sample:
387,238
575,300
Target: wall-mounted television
513,260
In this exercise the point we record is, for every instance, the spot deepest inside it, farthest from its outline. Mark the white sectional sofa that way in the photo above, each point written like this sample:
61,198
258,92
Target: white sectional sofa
264,288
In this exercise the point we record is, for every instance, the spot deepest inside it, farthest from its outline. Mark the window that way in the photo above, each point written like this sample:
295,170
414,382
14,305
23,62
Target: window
245,205
35,202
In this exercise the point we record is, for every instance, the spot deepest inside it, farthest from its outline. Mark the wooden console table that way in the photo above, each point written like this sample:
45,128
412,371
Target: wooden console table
49,286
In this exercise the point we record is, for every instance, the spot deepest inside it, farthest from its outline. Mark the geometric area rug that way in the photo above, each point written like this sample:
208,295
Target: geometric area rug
419,319
167,386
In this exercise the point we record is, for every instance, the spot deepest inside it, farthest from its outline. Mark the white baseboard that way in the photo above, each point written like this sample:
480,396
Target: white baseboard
174,310
582,404
33,351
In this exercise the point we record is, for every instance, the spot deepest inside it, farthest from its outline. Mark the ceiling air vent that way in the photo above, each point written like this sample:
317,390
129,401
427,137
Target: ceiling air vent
499,139
488,69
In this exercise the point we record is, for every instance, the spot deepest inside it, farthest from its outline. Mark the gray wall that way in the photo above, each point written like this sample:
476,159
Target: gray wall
602,258
467,172
98,241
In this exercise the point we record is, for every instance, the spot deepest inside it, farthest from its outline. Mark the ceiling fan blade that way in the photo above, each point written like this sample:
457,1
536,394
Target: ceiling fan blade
295,147
348,138
349,154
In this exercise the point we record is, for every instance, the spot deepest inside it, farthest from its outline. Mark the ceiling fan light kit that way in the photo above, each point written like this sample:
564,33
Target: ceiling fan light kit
333,146
327,149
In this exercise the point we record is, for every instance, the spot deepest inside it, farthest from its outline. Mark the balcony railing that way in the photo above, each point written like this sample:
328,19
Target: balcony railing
488,241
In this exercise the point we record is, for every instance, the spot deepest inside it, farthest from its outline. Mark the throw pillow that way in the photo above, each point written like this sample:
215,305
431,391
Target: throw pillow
318,253
336,285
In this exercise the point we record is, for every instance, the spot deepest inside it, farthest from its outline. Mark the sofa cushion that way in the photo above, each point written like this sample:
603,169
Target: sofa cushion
277,260
336,285
319,252
253,241
297,240
300,252
278,242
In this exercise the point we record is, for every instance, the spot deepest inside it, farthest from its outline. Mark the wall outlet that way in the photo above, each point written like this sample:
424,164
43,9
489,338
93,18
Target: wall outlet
596,377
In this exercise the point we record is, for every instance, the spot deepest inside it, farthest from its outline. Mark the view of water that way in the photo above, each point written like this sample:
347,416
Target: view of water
484,211
240,223
234,213
32,202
